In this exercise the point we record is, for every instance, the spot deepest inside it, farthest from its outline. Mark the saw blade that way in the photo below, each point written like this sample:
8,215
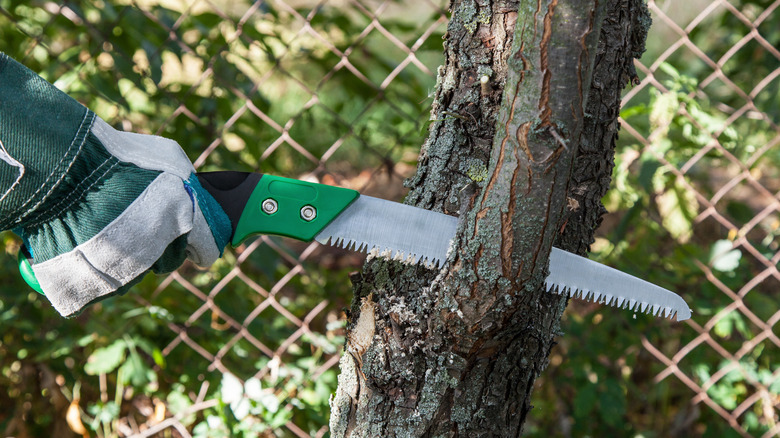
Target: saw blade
413,234
591,281
398,230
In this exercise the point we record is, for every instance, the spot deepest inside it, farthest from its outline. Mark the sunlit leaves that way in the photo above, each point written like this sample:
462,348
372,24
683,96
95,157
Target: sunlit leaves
255,408
730,322
678,207
123,355
723,257
106,359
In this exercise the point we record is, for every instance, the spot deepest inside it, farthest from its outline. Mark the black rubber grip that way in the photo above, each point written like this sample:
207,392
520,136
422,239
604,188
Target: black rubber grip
231,190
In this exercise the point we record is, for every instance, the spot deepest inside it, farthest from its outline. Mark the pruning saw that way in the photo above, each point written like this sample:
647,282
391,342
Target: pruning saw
266,204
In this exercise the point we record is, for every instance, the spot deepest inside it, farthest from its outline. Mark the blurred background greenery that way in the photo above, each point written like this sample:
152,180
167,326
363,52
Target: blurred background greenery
339,92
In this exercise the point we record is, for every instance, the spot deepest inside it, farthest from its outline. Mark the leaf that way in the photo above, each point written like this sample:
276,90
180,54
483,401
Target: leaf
774,388
159,412
724,326
66,80
253,388
270,402
279,418
158,357
231,389
664,107
135,371
648,170
137,99
727,395
702,372
678,207
740,211
73,418
107,359
723,258
309,396
178,402
85,340
241,408
635,110
104,413
670,70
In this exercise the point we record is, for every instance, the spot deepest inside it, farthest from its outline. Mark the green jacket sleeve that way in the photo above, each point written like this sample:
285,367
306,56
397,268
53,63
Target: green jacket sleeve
42,133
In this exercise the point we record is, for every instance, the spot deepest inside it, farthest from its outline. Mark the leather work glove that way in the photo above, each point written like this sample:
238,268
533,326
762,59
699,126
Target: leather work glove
96,208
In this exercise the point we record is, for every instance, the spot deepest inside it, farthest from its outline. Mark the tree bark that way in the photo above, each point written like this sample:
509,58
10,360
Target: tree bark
515,153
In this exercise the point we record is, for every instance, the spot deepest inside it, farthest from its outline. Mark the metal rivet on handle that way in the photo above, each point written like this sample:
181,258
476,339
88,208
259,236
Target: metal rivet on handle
270,206
308,213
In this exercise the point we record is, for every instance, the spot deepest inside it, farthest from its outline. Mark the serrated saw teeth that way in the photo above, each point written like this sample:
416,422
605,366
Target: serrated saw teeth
413,235
389,253
396,231
612,300
609,286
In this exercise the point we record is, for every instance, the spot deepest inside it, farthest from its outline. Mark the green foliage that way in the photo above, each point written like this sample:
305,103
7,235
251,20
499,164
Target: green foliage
261,93
246,101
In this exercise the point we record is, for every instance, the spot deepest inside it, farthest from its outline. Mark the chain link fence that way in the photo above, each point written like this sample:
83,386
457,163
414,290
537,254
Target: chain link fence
740,87
338,92
697,156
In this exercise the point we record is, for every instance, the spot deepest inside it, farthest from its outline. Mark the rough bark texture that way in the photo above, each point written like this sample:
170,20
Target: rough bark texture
524,164
623,35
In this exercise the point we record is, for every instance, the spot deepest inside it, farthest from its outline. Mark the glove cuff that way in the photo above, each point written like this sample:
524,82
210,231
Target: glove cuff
124,249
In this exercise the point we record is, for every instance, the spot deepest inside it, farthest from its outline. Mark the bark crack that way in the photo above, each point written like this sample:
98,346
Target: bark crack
544,47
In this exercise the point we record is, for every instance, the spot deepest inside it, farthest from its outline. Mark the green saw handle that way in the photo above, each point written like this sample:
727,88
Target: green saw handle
269,204
25,268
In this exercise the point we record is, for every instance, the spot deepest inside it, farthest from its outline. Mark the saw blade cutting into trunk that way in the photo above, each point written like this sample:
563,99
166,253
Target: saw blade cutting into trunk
267,204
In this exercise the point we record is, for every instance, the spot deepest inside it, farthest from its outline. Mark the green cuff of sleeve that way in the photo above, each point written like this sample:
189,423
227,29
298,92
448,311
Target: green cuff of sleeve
96,190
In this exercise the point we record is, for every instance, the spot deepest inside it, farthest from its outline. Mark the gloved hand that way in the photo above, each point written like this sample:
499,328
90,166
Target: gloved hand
96,208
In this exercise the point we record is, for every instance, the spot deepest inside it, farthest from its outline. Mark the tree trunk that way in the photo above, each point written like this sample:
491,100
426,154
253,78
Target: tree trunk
515,153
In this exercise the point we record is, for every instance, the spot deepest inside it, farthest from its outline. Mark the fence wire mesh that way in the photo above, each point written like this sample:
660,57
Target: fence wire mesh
740,175
337,92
